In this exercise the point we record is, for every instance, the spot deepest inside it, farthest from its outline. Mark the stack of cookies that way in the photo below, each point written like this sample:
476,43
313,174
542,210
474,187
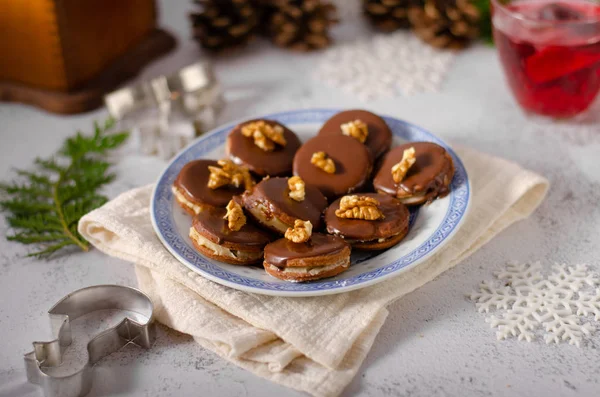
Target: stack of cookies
300,209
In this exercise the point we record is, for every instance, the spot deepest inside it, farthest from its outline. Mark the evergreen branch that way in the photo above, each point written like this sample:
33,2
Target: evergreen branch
99,144
49,164
24,207
74,230
61,216
36,238
83,188
76,209
35,222
35,179
45,204
28,192
51,249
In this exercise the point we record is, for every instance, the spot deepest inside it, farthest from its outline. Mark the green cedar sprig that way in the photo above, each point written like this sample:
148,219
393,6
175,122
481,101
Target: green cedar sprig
43,206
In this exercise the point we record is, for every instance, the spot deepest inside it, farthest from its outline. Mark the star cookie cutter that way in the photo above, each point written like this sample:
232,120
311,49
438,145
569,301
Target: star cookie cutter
72,306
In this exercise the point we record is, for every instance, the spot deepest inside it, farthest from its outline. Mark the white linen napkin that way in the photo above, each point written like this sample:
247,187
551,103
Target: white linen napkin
316,344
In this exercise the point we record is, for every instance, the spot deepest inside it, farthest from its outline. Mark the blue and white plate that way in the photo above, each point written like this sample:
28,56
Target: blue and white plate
432,226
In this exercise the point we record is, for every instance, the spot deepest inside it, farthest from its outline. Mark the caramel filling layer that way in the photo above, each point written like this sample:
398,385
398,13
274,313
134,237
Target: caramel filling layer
313,271
223,251
260,212
183,200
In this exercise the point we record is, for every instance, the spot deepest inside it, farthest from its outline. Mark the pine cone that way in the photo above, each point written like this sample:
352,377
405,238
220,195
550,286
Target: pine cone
223,24
388,15
446,23
301,25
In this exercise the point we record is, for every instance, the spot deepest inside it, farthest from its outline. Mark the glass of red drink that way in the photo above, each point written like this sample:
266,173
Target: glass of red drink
550,51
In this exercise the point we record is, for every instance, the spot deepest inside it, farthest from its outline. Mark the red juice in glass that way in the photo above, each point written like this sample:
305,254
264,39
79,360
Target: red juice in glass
550,51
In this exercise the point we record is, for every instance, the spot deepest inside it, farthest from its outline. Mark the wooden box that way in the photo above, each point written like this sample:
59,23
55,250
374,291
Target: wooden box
67,46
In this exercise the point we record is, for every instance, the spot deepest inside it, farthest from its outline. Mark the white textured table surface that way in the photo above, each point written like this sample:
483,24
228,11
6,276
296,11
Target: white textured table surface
434,342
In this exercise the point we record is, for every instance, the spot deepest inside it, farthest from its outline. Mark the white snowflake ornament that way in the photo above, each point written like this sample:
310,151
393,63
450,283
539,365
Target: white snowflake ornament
384,65
556,303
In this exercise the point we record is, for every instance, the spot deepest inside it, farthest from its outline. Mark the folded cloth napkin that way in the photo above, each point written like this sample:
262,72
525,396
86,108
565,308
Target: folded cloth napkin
316,344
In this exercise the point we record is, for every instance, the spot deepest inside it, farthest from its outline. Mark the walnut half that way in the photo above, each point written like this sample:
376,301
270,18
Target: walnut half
408,159
357,129
359,207
296,186
265,135
235,216
229,174
322,161
300,233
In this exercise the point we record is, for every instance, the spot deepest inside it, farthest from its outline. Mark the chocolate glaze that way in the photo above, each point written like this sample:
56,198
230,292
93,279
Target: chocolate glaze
395,220
210,224
379,139
352,162
242,150
431,174
192,181
279,252
273,193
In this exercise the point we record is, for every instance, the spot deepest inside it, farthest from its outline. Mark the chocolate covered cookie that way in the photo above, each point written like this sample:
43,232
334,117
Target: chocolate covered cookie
366,127
369,221
225,235
415,173
209,183
264,146
336,164
277,202
318,256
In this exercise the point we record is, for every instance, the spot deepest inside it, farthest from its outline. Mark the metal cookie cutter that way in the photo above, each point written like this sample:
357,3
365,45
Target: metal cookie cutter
76,304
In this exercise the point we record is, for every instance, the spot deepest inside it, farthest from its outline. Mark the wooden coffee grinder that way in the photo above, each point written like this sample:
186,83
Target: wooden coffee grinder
64,55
